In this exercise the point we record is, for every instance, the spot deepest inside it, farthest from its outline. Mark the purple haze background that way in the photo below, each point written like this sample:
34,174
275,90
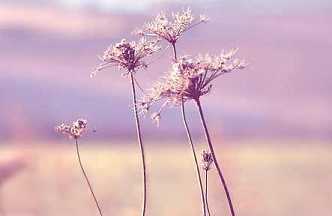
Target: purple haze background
49,48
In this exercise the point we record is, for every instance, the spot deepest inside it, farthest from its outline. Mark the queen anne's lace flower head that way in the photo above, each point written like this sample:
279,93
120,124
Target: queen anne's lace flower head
73,130
171,28
190,78
128,55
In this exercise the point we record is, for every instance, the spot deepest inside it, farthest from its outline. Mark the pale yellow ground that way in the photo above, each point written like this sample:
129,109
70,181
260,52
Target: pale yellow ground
266,179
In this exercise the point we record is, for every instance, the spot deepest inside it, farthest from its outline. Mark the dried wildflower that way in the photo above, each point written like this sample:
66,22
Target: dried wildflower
128,55
207,160
171,28
74,130
191,78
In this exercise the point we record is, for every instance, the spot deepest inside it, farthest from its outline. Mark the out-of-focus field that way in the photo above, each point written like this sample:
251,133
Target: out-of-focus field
266,179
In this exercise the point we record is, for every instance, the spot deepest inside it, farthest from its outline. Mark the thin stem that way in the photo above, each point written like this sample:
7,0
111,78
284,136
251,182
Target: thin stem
185,124
208,138
199,178
86,178
139,139
206,192
174,51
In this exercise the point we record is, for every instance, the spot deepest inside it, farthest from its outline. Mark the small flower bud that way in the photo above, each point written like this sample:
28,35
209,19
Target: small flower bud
207,160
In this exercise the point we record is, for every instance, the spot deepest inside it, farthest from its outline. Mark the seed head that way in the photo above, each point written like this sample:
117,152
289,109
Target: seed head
190,78
128,55
73,130
207,160
171,28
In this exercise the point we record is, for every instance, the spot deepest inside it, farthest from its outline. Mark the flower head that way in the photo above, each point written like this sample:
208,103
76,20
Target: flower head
190,78
73,130
171,28
128,55
207,160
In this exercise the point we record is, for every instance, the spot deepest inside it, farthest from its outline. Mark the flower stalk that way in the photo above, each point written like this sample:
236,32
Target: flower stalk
206,193
174,51
86,177
208,139
207,161
74,131
190,141
139,140
130,56
199,178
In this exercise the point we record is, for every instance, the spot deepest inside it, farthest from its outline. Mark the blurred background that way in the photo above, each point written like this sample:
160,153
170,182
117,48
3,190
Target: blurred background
270,122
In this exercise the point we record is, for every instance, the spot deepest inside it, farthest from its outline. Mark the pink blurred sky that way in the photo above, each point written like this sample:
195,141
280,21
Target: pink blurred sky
49,48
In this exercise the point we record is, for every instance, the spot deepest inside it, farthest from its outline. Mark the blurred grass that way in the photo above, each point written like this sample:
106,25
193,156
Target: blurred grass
265,178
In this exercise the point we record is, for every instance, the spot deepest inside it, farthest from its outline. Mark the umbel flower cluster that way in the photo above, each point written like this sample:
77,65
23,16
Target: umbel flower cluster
171,28
128,55
189,79
73,130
